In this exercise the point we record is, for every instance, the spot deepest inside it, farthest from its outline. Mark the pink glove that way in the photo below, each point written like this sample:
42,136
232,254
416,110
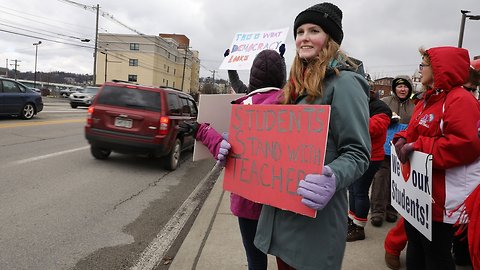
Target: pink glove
317,189
406,150
223,151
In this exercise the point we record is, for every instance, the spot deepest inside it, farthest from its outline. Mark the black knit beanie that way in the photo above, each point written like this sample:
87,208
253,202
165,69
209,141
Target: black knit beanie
326,15
268,70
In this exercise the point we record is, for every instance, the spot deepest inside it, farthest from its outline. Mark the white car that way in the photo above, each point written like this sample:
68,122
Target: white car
83,98
68,91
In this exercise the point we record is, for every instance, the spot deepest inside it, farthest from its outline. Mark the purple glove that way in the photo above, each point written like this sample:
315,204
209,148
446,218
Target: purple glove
399,143
223,151
317,189
406,150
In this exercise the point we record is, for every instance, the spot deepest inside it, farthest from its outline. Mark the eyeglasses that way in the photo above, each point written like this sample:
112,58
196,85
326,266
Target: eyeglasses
422,65
471,89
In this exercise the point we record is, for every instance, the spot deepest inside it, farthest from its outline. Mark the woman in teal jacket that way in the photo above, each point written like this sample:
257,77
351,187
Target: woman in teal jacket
320,75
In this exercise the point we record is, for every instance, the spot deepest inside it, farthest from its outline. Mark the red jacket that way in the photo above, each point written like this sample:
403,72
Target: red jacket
378,126
444,125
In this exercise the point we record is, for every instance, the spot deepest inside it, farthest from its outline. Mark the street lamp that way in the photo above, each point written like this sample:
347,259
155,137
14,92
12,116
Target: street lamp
36,53
462,25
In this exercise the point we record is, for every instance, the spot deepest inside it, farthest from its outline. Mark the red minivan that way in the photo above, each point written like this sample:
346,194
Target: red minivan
134,119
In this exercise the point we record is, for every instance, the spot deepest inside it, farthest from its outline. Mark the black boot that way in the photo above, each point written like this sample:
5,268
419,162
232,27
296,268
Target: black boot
391,215
356,233
350,225
376,221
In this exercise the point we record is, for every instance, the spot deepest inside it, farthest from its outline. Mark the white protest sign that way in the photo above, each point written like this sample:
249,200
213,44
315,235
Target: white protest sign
216,110
411,190
245,46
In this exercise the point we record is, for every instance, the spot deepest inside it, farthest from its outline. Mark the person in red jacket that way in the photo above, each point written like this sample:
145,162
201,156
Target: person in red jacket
359,202
445,126
396,238
473,83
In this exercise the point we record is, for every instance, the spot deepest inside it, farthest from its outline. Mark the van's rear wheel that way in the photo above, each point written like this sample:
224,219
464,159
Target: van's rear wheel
100,153
171,161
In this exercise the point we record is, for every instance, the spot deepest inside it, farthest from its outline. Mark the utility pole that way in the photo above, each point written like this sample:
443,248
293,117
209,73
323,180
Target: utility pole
95,51
16,65
6,69
106,61
97,11
213,75
184,64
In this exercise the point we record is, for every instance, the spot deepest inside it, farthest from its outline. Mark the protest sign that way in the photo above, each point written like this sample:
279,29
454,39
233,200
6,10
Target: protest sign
273,148
245,46
411,190
215,110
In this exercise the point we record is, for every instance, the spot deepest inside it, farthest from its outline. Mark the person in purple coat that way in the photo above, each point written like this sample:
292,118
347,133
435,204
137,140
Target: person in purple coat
267,76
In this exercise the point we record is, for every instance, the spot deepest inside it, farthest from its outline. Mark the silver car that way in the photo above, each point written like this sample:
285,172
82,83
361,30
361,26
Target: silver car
83,98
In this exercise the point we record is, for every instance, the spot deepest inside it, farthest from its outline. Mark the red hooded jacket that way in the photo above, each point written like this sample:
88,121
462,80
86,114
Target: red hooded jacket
444,125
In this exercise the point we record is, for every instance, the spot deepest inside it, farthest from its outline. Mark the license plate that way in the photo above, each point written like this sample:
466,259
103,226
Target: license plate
122,122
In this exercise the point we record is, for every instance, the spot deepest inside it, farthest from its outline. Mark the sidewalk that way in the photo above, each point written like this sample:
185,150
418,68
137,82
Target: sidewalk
214,241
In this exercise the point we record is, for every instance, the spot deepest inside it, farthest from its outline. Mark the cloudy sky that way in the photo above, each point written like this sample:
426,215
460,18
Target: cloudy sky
385,34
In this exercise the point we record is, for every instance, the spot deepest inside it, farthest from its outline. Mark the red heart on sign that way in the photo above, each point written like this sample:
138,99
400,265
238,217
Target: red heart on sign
406,170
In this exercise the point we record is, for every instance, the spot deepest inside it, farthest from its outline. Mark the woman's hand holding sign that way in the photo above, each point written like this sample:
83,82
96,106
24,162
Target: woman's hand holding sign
403,149
406,150
317,189
223,151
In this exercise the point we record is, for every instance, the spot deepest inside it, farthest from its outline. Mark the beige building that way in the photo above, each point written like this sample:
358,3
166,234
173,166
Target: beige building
163,60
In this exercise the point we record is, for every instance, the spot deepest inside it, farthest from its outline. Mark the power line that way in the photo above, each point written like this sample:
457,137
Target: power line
93,9
103,14
36,32
30,20
47,39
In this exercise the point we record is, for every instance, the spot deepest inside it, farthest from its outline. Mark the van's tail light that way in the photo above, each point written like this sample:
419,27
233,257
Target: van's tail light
164,122
89,116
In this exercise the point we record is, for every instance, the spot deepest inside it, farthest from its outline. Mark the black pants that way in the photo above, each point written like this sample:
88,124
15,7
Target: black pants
380,197
460,249
257,260
425,255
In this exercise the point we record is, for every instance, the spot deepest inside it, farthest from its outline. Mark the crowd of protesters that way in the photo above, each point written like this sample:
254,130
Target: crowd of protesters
442,119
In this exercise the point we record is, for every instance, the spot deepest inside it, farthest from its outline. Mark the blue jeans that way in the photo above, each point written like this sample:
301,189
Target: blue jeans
358,199
257,260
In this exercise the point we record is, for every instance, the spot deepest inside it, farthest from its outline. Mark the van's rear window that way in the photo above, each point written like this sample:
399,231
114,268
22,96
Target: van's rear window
130,98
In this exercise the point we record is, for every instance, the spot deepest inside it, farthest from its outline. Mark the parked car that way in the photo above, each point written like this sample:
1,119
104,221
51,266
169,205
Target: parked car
83,97
134,119
19,100
68,91
35,89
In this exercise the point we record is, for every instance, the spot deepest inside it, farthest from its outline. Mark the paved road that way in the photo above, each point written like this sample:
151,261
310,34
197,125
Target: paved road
62,209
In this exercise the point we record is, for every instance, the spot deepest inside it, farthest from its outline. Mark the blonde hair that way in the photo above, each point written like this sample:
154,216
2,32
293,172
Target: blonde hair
308,75
424,54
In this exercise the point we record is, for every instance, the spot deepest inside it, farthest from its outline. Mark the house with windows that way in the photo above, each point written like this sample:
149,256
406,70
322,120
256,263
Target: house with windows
383,86
163,60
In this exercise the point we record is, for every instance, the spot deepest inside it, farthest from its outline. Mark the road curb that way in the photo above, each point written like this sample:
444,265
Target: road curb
191,249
